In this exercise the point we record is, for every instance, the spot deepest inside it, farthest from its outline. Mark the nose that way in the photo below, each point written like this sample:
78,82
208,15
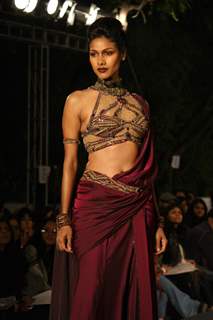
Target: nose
101,60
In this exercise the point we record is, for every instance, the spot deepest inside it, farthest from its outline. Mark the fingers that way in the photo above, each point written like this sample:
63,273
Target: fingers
64,244
68,247
161,246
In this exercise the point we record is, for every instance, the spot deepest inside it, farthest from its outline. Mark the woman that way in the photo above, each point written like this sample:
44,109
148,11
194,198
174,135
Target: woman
39,254
196,214
176,233
109,240
11,271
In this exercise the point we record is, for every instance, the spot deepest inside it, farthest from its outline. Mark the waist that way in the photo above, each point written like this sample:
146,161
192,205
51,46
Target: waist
113,160
109,182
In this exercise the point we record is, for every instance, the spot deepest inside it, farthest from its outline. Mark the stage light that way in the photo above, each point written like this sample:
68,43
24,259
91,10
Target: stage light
21,4
31,6
64,8
92,15
52,7
71,16
122,14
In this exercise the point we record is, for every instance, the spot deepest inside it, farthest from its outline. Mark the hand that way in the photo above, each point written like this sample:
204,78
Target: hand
26,304
161,241
64,239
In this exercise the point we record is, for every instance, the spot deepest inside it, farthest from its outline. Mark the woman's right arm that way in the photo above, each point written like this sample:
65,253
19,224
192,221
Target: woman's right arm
71,129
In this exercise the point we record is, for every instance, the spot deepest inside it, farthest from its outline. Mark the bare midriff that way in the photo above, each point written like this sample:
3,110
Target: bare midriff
113,159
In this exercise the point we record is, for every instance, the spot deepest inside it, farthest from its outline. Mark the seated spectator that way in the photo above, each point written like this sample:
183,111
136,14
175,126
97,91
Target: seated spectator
174,260
45,242
11,271
13,222
176,233
39,253
184,305
181,200
190,197
26,223
196,214
200,243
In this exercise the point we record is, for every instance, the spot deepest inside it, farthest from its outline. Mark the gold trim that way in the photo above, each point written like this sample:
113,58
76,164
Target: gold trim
100,178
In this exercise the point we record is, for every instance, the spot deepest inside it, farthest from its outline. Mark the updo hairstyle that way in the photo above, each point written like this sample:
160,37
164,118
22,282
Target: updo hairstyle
110,28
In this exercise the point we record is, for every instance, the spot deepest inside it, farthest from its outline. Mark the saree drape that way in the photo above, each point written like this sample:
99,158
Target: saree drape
110,276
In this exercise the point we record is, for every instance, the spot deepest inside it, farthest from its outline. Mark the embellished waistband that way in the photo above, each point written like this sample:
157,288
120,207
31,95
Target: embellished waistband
100,178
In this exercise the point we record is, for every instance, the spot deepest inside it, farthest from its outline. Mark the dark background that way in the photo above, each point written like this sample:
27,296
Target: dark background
174,67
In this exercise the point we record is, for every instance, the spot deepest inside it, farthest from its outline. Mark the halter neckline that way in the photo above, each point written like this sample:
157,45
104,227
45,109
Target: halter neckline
110,87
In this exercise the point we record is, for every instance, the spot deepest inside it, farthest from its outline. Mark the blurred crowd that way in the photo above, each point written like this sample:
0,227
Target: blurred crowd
184,272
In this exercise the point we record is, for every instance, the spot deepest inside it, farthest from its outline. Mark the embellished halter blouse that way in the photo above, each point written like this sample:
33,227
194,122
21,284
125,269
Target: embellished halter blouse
117,116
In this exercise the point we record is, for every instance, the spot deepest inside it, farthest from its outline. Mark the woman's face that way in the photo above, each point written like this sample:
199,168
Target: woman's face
175,215
105,58
199,210
5,234
26,224
49,233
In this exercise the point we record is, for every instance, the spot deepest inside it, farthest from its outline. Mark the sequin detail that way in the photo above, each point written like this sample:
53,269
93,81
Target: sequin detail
97,177
115,119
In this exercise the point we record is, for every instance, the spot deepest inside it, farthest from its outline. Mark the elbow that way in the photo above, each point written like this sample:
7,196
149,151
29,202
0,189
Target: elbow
70,165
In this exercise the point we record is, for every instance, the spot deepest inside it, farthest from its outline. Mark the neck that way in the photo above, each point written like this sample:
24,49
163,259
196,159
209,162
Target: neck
111,86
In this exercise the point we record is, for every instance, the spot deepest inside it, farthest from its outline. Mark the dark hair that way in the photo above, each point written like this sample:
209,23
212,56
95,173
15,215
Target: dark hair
23,212
110,28
195,202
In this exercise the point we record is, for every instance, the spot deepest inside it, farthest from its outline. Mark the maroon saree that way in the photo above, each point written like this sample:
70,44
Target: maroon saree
110,276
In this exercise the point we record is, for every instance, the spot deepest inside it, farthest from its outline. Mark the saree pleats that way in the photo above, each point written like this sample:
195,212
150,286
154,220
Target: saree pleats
110,276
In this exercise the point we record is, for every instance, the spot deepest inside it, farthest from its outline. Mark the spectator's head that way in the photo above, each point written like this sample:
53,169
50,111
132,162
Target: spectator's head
174,215
166,200
198,208
48,232
25,218
13,221
180,193
190,197
5,233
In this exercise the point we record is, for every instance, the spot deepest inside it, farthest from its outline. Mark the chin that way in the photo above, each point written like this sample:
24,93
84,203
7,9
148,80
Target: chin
104,76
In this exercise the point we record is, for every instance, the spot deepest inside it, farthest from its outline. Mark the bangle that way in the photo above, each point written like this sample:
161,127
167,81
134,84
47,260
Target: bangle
62,220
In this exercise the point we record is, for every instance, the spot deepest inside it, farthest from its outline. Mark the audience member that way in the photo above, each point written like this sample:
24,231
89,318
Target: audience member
12,269
26,223
196,214
176,233
13,221
200,242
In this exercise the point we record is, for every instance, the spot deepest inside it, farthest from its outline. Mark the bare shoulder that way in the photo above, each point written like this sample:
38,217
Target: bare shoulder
77,99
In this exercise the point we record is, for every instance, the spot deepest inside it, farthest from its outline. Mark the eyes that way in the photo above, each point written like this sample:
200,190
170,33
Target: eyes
106,53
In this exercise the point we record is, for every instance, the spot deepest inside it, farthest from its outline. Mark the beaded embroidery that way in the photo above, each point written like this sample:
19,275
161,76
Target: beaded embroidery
90,175
117,117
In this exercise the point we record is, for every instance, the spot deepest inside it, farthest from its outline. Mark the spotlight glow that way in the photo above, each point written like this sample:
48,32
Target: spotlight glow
92,15
52,7
71,16
21,4
31,6
64,8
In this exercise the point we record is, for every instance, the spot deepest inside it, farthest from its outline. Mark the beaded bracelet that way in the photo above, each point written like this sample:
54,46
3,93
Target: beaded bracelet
62,220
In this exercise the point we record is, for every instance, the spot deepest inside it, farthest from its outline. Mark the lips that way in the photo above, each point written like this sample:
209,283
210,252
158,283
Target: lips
102,70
